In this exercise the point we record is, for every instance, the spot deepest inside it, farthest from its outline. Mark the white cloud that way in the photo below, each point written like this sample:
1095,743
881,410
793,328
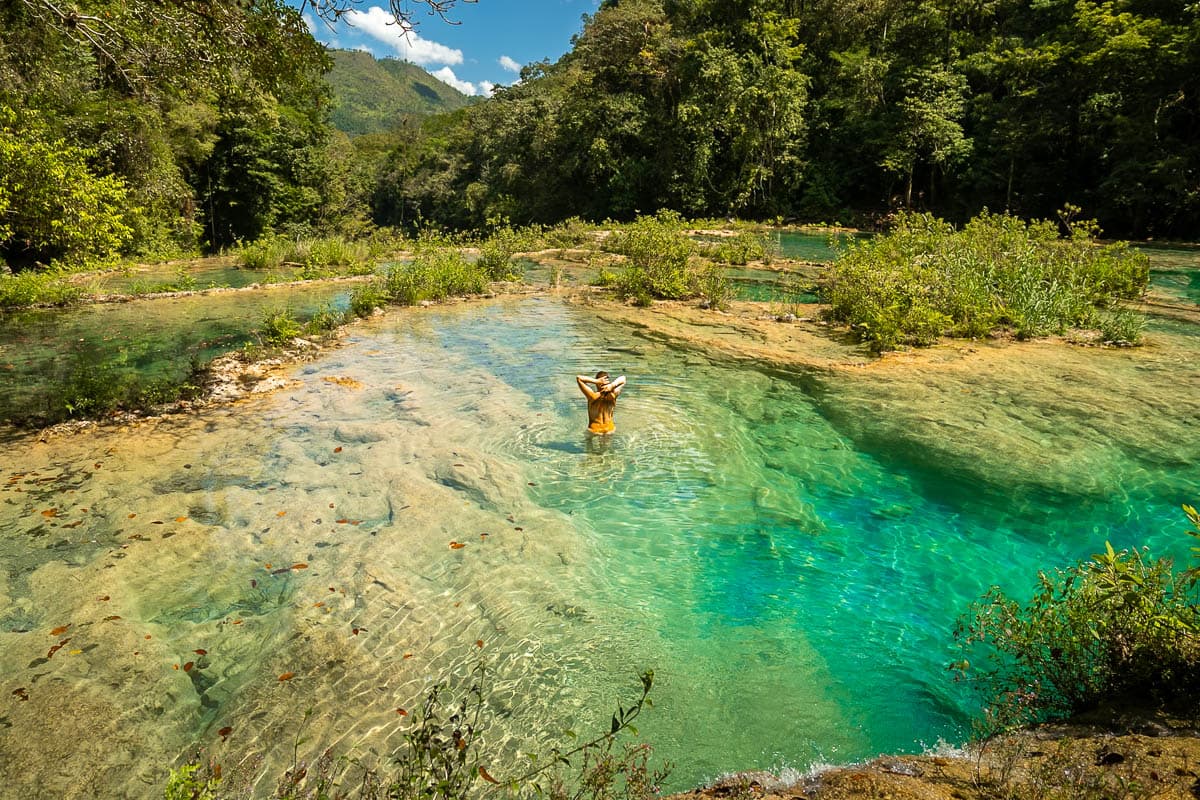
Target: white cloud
378,24
509,64
486,88
447,76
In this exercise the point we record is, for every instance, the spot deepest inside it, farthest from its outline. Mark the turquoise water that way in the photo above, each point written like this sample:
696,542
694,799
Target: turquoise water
1175,270
200,276
813,246
788,550
768,286
42,351
804,585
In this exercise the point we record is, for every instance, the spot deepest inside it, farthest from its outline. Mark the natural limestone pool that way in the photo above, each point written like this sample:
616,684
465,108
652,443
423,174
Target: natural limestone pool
787,548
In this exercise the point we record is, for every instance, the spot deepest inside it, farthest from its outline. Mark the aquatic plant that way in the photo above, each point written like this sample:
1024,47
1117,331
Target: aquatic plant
327,319
924,279
442,759
1121,629
1121,326
95,385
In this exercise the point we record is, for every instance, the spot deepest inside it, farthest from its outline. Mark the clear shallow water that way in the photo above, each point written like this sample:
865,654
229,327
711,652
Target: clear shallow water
1175,271
201,276
790,566
813,246
43,351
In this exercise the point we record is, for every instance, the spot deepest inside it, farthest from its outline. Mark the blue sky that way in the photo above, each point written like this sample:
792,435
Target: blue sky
490,43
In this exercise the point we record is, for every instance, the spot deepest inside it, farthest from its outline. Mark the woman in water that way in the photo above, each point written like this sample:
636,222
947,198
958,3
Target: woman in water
601,394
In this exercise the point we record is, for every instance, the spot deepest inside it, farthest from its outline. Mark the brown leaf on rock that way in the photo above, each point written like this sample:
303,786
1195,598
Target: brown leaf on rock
200,651
224,732
60,629
112,617
483,773
287,676
457,545
337,449
188,666
181,519
301,565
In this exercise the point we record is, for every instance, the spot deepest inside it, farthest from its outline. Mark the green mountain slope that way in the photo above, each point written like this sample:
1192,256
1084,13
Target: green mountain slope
372,95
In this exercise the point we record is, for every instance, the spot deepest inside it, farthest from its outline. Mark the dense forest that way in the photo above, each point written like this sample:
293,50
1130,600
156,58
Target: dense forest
837,109
147,129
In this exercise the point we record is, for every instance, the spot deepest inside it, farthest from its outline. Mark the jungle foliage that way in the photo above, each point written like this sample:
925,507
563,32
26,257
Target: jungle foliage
828,109
150,129
147,129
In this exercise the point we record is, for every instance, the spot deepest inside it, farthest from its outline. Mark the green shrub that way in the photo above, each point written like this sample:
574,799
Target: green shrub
325,320
569,233
269,253
311,257
368,297
740,249
1121,629
280,326
434,274
1121,326
658,249
53,208
713,286
924,279
29,288
606,277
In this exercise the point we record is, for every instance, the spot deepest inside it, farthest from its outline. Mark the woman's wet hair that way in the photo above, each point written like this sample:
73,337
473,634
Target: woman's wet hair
601,374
